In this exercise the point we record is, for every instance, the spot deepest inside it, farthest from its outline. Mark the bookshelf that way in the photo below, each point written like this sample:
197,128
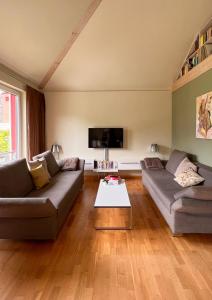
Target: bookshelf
201,68
200,50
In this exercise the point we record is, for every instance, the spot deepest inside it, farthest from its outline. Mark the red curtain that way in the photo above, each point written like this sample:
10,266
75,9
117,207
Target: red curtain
35,110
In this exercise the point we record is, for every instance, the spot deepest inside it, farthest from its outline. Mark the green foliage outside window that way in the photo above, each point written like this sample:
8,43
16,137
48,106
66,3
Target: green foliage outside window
4,141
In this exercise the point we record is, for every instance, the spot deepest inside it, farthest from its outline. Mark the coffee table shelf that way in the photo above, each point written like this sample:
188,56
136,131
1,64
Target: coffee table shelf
112,206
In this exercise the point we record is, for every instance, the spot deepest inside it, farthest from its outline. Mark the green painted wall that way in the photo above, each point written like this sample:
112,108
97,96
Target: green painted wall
184,119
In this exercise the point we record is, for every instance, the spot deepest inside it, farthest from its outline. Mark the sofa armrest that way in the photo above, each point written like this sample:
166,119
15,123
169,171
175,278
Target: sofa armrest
195,192
81,164
143,166
26,208
192,206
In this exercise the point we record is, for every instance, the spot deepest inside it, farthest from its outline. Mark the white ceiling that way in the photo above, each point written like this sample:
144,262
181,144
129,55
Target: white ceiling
132,44
126,45
33,32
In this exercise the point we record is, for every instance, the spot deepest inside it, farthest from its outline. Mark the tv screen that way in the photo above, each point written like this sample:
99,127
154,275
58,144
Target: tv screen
105,137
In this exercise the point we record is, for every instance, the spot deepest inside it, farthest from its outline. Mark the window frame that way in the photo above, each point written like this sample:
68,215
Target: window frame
18,114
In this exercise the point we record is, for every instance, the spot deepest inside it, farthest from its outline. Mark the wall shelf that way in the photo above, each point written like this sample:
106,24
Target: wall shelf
122,166
201,68
198,59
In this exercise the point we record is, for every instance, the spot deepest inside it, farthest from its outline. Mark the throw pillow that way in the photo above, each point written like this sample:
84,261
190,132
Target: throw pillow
188,178
15,179
70,164
153,163
52,164
185,165
39,177
174,161
36,163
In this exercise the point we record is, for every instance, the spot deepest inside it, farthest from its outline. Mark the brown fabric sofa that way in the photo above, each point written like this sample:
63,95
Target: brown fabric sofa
26,213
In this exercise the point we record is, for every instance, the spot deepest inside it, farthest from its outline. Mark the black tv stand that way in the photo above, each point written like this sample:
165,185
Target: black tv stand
106,150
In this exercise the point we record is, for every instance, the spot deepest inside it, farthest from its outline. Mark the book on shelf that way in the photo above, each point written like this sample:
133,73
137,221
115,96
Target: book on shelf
196,45
209,33
203,53
208,49
200,50
203,38
194,60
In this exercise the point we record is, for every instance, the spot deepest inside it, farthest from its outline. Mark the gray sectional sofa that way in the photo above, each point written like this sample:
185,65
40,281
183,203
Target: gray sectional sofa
186,210
26,213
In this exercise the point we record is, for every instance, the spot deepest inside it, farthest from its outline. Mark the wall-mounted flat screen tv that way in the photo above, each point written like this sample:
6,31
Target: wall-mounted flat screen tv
105,137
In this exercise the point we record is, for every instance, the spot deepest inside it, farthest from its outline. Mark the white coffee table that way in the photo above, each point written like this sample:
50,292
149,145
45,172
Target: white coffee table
112,207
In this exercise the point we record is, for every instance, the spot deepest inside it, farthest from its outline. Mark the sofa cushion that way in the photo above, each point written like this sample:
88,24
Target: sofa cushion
188,178
70,164
26,208
52,164
205,172
36,163
153,163
192,207
163,184
60,188
174,160
39,177
15,179
185,165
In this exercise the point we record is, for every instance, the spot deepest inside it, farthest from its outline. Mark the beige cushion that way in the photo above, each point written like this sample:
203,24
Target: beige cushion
36,163
39,177
52,165
188,178
185,165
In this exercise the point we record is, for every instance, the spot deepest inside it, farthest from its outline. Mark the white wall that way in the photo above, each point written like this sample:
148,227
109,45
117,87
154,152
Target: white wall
144,115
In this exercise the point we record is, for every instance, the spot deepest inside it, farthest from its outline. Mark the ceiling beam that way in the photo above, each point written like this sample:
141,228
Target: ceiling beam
73,37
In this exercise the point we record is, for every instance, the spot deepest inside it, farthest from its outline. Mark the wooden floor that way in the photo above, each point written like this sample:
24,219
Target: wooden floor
144,263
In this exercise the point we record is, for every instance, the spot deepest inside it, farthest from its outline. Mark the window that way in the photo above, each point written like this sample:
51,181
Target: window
9,125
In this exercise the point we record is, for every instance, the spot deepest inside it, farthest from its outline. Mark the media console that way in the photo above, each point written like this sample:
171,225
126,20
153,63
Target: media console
122,166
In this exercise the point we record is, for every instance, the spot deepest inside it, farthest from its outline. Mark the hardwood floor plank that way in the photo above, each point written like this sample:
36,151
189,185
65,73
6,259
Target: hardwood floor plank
85,264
